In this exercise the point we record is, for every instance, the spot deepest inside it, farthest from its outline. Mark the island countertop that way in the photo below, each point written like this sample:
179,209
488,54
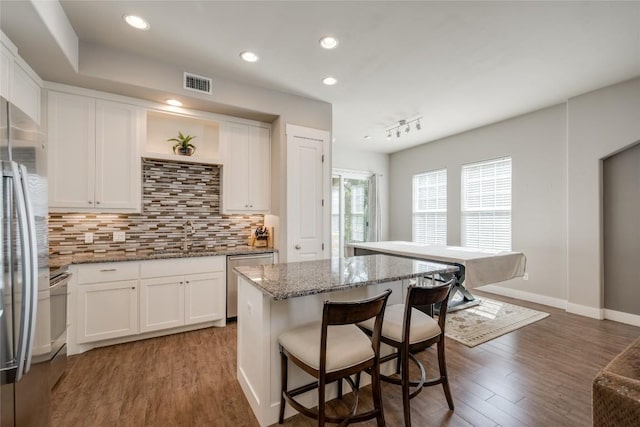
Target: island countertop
296,279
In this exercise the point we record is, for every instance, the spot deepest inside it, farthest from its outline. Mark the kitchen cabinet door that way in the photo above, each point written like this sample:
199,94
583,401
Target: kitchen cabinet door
18,82
161,303
259,169
246,184
6,65
204,297
118,166
236,174
25,92
71,151
108,310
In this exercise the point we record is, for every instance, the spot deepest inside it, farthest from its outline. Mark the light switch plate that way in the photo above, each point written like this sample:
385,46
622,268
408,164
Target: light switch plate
88,237
119,236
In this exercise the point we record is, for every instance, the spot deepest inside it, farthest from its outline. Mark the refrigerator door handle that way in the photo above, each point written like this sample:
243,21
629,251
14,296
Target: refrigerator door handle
25,312
32,265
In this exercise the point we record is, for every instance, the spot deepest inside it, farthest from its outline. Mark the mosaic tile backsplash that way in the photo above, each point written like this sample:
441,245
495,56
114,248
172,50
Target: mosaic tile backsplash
172,194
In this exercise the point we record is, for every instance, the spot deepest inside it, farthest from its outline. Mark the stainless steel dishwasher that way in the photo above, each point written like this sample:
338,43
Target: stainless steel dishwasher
232,277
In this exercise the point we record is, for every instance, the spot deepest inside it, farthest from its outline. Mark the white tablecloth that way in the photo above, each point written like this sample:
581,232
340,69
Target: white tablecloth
482,266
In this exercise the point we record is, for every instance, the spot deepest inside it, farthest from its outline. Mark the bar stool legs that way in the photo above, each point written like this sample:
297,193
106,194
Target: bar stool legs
284,377
410,331
335,350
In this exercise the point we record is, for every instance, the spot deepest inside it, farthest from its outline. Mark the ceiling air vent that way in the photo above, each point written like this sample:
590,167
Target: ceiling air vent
197,83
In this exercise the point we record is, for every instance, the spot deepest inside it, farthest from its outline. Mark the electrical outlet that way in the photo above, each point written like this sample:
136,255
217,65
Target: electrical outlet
88,237
119,236
525,276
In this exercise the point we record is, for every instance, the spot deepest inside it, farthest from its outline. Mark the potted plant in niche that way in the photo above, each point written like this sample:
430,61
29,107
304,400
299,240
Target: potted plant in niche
183,144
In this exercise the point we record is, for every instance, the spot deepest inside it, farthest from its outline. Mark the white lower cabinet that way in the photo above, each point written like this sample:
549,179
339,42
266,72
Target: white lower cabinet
124,299
169,302
161,303
107,310
204,297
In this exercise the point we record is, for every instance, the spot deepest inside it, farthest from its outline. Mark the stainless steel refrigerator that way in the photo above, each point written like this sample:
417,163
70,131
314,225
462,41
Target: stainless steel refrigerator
25,332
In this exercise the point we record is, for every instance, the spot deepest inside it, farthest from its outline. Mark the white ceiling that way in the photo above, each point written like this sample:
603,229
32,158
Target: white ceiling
460,65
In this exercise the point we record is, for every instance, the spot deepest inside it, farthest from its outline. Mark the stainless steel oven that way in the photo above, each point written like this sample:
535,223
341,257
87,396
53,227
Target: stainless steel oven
58,287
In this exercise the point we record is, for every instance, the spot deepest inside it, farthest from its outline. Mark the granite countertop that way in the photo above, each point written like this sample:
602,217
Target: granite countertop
142,255
296,279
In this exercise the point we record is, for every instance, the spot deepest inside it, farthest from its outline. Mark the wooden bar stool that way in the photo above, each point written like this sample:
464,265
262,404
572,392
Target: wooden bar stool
332,350
410,331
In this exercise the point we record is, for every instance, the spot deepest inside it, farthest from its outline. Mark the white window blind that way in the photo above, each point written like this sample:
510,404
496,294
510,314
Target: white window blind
357,213
486,204
430,207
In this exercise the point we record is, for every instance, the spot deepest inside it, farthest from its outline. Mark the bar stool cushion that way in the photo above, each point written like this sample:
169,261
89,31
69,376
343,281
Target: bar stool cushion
347,345
423,326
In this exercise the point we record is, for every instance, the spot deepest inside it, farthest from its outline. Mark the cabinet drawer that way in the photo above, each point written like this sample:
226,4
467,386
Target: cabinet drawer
181,266
108,272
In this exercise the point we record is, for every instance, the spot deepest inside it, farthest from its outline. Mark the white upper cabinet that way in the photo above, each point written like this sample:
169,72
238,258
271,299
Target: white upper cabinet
93,154
25,91
71,151
18,82
246,181
118,166
6,63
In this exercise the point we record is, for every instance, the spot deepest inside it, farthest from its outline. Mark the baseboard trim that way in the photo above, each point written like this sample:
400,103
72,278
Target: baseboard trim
622,317
526,296
584,310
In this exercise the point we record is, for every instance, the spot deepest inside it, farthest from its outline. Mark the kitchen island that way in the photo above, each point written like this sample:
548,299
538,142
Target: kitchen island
278,297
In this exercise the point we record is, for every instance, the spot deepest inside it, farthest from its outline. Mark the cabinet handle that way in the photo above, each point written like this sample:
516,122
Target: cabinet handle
90,202
187,282
181,283
133,287
109,269
250,206
97,203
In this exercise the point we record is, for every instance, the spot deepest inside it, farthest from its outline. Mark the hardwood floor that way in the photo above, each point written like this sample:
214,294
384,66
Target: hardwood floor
539,375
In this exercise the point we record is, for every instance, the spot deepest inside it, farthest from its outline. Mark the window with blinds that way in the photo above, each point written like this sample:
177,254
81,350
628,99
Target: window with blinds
486,204
430,207
358,211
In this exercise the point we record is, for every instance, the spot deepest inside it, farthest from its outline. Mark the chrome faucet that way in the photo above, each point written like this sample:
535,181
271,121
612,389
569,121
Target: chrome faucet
185,226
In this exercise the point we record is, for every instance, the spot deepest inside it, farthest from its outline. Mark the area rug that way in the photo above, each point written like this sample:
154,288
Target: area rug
488,320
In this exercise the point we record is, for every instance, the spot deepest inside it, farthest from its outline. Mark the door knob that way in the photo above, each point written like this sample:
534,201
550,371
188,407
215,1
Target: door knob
298,246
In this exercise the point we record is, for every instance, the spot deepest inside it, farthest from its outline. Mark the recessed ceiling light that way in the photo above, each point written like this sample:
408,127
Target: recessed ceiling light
329,81
174,102
136,22
328,42
249,56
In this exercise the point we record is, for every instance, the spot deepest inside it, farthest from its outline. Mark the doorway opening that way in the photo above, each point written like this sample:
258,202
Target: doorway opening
353,209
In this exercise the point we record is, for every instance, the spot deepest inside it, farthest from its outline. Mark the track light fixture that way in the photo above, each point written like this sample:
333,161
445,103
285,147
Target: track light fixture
404,125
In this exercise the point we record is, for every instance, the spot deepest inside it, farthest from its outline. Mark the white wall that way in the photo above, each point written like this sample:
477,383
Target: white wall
557,189
536,144
344,158
600,123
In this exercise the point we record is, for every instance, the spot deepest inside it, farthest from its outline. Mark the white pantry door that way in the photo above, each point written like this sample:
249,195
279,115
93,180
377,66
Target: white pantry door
305,193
